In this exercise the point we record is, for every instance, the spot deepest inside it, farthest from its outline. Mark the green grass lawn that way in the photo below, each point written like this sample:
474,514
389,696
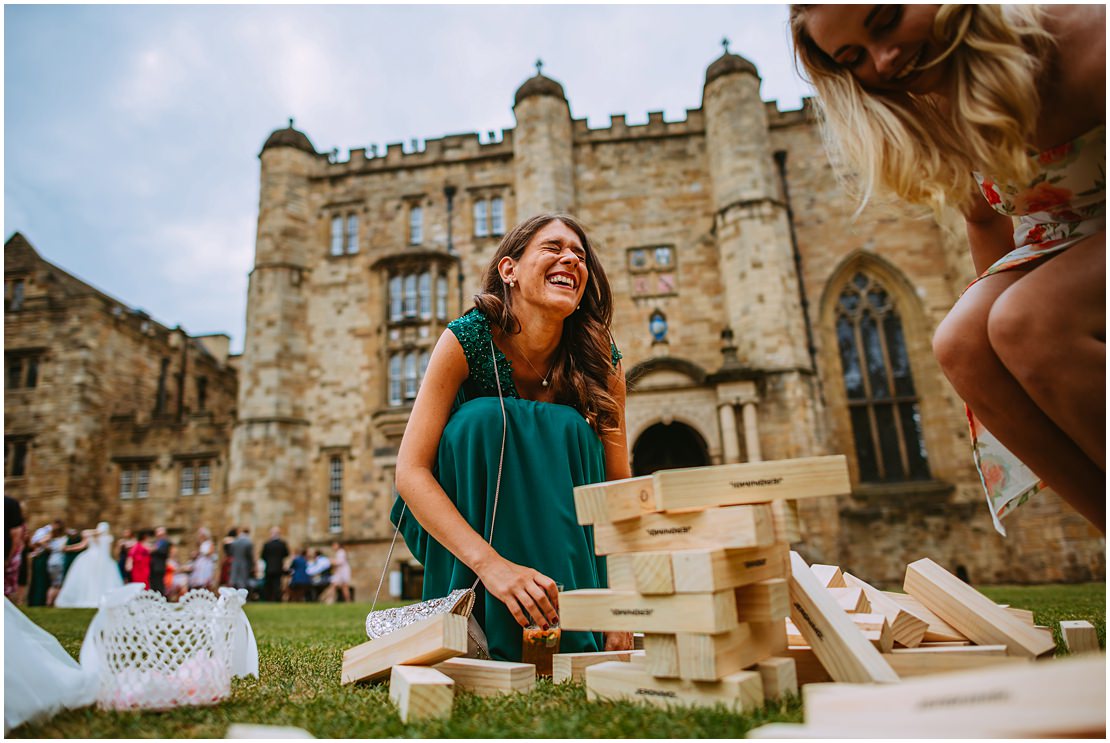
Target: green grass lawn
300,654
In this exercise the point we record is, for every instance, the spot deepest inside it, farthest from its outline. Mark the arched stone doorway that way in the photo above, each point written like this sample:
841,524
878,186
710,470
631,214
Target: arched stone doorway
667,446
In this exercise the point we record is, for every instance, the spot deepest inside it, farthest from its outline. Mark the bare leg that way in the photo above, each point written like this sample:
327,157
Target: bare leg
1056,349
963,349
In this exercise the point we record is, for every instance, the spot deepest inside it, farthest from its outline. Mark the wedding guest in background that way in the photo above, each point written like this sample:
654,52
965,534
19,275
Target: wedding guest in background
126,542
158,557
13,545
56,562
274,553
225,563
138,560
340,585
242,559
39,556
203,569
319,572
299,580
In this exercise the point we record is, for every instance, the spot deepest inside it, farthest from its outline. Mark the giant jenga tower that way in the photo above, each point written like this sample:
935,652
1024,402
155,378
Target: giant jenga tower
699,561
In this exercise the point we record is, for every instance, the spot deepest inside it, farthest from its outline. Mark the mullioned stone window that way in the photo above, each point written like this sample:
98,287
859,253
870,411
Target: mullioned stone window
21,369
15,455
344,234
489,217
195,477
335,493
652,271
134,479
882,401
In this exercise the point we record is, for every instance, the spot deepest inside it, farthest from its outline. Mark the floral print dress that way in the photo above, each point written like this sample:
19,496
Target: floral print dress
1064,204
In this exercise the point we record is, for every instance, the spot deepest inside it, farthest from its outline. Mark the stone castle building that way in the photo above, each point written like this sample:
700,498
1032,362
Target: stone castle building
757,318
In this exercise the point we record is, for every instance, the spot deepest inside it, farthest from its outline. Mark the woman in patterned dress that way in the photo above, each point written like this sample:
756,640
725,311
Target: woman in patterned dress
1002,114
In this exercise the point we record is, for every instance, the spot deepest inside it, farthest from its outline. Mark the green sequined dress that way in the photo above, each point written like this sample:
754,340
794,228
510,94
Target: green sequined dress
549,450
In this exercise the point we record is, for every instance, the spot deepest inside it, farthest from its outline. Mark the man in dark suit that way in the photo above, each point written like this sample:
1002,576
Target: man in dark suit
242,559
158,557
274,553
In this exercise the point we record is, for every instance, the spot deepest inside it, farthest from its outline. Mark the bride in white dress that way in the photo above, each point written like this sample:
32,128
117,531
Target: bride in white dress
93,572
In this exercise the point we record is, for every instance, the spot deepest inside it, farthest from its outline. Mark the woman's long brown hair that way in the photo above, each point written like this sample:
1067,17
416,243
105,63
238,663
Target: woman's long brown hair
583,365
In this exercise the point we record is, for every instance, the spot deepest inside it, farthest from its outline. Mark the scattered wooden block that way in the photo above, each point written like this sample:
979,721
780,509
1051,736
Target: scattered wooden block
735,527
938,629
830,576
788,524
840,645
615,500
243,730
1061,698
909,662
851,600
753,482
698,571
741,691
769,635
661,652
1080,636
601,610
874,628
971,612
1024,615
421,693
637,657
572,666
488,678
807,666
426,642
780,677
908,629
703,657
766,601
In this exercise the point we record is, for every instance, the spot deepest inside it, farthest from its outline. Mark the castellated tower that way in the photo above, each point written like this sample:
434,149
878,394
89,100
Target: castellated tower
543,148
268,476
756,255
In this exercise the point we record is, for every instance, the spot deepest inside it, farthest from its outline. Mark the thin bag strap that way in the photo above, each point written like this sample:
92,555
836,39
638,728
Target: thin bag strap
496,491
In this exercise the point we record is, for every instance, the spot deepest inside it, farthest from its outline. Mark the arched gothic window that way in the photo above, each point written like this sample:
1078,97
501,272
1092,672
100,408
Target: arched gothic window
882,403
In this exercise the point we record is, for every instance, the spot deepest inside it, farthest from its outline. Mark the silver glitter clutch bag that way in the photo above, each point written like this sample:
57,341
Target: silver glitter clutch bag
461,600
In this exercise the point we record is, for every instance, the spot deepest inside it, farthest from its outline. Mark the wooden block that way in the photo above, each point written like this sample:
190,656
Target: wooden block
735,527
909,662
661,651
840,645
766,601
1080,636
753,482
960,644
938,629
243,730
909,630
770,635
572,666
830,576
741,692
875,629
653,572
704,657
806,665
601,610
615,500
788,525
426,642
1024,615
1060,698
699,571
638,657
622,576
971,612
851,600
780,677
421,693
488,678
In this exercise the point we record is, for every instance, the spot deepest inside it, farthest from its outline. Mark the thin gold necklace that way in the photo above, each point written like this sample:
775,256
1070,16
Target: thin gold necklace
543,378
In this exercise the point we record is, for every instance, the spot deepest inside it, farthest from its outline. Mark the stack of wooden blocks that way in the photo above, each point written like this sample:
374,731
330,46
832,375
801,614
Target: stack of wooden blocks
424,668
698,561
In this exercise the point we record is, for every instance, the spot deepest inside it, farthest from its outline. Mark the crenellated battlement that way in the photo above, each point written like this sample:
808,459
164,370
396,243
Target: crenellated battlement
656,127
777,118
438,151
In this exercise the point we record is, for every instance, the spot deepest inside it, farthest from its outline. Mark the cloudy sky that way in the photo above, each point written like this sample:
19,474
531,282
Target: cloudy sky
131,133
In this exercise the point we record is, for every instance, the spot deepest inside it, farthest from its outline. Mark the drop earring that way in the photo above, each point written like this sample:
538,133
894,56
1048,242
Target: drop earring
512,283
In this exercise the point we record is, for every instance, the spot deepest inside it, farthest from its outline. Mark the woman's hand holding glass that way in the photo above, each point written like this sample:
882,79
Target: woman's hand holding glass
525,592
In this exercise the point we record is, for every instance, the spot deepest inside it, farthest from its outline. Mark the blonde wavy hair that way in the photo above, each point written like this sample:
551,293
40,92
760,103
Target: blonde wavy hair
907,144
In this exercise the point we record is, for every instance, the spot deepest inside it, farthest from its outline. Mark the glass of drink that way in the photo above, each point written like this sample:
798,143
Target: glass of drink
538,645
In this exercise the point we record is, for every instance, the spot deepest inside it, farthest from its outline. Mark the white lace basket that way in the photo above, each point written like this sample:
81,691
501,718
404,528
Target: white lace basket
154,655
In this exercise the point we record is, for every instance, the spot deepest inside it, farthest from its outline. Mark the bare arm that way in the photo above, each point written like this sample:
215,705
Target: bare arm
989,233
617,468
524,591
16,534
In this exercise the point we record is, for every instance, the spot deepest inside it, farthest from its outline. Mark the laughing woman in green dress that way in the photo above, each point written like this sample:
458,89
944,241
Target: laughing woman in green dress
543,318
